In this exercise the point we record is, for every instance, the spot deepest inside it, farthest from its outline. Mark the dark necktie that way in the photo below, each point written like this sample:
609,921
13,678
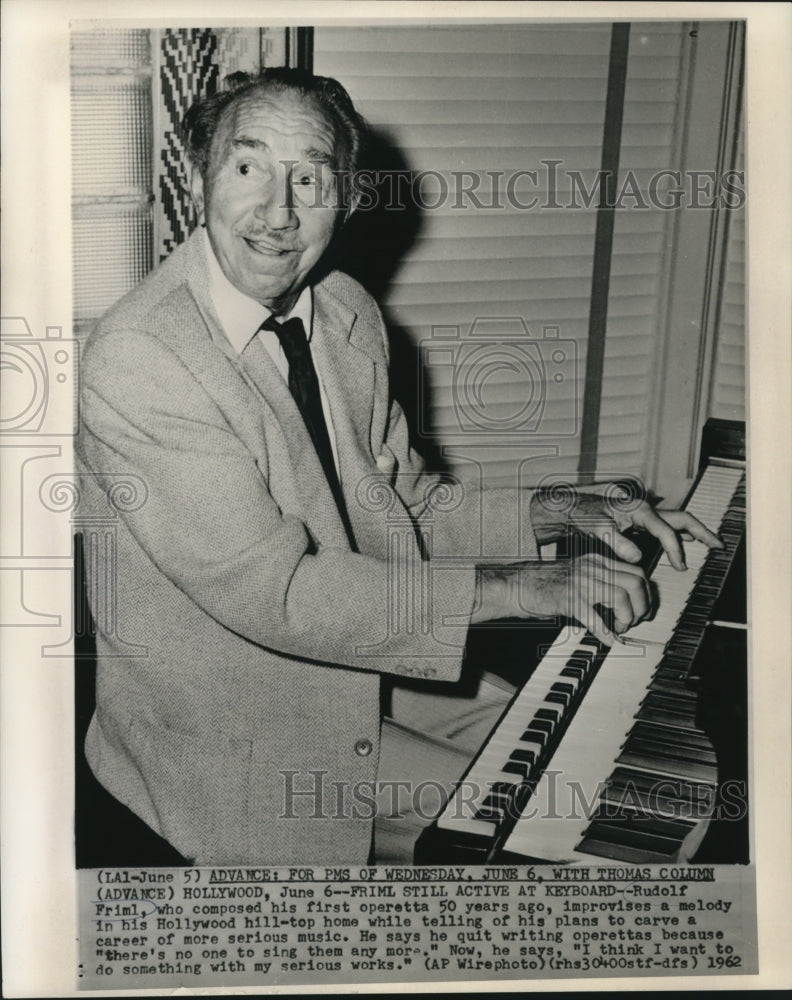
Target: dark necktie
304,387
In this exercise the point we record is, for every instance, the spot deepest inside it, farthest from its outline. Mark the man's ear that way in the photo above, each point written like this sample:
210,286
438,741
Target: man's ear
354,201
196,185
349,208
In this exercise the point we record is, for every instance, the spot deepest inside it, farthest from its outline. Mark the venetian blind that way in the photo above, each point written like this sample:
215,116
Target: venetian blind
111,167
649,145
484,105
728,395
497,101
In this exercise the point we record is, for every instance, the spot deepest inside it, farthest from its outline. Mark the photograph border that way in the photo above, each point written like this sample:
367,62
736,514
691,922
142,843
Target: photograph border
39,880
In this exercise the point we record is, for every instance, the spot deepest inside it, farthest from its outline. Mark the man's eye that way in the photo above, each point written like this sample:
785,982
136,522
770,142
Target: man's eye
245,169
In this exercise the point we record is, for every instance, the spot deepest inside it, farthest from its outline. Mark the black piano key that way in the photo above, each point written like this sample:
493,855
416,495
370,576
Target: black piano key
691,628
622,852
504,788
617,852
561,694
613,841
521,768
495,797
543,726
494,801
497,804
678,737
488,815
684,646
685,638
533,739
656,757
661,826
679,701
668,682
491,811
665,709
649,729
668,749
657,804
694,615
666,717
681,788
549,715
671,699
660,795
668,673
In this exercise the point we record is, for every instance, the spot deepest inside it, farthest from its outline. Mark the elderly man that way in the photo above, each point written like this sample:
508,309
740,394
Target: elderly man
246,383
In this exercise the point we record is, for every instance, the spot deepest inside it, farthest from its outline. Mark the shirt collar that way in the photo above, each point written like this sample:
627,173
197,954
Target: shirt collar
240,316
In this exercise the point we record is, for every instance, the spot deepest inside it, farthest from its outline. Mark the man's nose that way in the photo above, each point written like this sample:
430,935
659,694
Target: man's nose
276,205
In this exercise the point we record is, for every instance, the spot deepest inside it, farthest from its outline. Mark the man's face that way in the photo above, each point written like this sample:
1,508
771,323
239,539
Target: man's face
269,194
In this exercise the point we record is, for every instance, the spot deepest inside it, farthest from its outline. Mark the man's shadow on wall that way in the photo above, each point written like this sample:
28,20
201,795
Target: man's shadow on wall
370,248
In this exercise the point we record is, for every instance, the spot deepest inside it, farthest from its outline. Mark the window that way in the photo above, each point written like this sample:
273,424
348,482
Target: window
465,108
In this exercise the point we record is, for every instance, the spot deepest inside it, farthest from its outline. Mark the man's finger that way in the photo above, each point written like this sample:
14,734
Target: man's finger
622,547
638,593
594,623
606,564
620,586
682,521
646,518
626,594
624,613
591,588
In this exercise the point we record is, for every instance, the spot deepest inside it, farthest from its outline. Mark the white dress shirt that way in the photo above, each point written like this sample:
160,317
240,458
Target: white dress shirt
240,318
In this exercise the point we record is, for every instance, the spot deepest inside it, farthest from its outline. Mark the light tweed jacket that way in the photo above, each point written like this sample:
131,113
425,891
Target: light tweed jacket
265,635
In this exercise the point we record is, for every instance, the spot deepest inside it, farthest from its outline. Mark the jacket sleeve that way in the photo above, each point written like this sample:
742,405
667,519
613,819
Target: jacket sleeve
212,527
464,519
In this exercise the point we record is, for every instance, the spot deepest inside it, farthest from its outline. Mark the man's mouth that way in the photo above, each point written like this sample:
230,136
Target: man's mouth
267,248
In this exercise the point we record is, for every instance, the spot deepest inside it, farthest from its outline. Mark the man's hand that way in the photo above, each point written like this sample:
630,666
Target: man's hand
606,512
578,588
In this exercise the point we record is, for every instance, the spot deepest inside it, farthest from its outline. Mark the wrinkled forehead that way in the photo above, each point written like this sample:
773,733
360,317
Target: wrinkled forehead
281,115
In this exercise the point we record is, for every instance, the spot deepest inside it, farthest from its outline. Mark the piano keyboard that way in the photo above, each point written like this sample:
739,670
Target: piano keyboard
719,499
598,755
523,743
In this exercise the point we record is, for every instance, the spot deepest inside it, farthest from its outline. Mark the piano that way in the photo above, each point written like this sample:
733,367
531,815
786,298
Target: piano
602,756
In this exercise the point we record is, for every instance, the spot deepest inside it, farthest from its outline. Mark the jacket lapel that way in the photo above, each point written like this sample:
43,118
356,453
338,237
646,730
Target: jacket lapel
273,395
348,372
